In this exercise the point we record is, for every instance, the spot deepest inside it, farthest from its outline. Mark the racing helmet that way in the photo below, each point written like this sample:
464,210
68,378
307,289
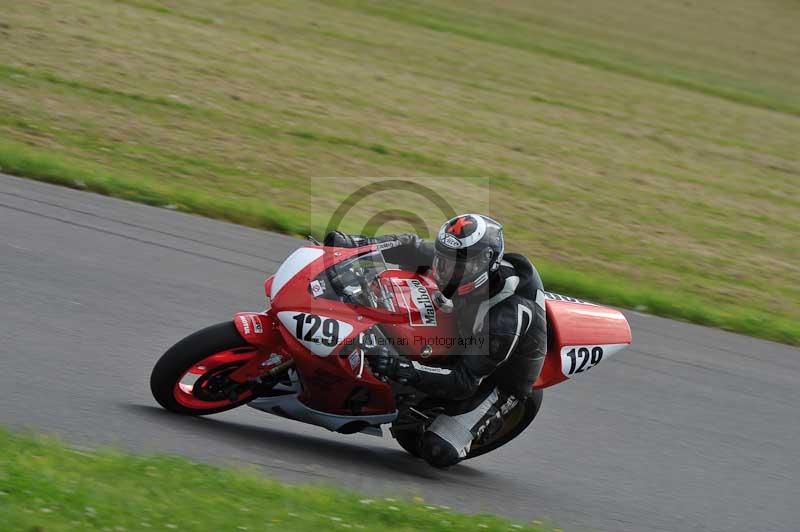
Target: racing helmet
468,248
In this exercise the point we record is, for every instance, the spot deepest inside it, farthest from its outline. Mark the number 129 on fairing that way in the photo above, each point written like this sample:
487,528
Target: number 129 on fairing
581,358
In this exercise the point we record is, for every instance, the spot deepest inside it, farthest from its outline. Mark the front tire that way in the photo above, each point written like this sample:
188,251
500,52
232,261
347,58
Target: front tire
190,378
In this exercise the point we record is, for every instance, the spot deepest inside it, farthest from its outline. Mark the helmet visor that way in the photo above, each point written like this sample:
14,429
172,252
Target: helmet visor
454,268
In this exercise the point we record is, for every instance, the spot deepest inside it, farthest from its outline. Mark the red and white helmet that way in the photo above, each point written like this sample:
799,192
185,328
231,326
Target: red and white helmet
468,248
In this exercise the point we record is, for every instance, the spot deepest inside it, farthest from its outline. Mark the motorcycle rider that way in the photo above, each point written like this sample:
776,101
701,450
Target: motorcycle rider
499,303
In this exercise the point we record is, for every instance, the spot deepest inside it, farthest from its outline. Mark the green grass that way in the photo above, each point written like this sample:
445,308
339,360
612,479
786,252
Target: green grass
21,160
643,153
47,486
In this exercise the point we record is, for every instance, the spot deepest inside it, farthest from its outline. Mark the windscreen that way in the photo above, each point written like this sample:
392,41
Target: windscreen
357,281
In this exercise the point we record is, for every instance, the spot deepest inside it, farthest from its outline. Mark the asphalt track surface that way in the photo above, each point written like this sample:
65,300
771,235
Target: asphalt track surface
690,429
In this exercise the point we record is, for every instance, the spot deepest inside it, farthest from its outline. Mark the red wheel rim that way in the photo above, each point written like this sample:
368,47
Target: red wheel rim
219,363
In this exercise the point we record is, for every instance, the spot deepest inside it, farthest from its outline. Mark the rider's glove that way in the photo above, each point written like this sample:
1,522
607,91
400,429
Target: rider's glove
394,367
339,239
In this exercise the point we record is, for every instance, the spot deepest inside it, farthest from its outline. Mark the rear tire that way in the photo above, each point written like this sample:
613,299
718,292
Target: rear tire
176,362
519,419
409,441
530,407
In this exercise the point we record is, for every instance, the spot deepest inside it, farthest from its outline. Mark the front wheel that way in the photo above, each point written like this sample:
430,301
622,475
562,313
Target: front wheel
191,378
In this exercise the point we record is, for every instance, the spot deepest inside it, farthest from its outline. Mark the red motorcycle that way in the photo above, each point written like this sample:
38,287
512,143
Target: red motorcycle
303,358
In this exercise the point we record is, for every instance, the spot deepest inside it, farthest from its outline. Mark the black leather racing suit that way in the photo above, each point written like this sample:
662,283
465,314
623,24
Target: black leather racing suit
507,331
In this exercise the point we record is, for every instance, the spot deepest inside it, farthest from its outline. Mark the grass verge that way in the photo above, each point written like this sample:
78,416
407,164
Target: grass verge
22,160
45,485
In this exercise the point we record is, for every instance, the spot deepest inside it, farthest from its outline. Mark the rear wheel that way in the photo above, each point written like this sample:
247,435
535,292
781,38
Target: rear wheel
409,441
513,425
515,422
191,378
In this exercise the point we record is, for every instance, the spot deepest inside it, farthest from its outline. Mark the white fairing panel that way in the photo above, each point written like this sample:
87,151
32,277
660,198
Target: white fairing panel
319,334
293,264
291,407
577,359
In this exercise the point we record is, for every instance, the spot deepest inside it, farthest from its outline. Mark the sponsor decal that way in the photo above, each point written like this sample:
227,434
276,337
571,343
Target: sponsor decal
317,288
355,359
450,241
558,297
387,245
245,324
257,327
508,405
494,422
424,303
430,369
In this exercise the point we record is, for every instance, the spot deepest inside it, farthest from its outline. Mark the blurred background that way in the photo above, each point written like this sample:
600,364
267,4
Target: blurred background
644,153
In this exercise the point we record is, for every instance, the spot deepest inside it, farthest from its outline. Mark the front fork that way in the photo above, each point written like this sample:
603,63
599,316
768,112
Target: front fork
260,330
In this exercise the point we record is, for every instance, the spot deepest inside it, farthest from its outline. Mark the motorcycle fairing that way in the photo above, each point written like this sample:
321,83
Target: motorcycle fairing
328,377
580,335
331,378
299,260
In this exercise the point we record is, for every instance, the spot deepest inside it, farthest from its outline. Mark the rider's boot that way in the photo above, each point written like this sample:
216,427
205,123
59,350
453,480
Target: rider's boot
448,439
